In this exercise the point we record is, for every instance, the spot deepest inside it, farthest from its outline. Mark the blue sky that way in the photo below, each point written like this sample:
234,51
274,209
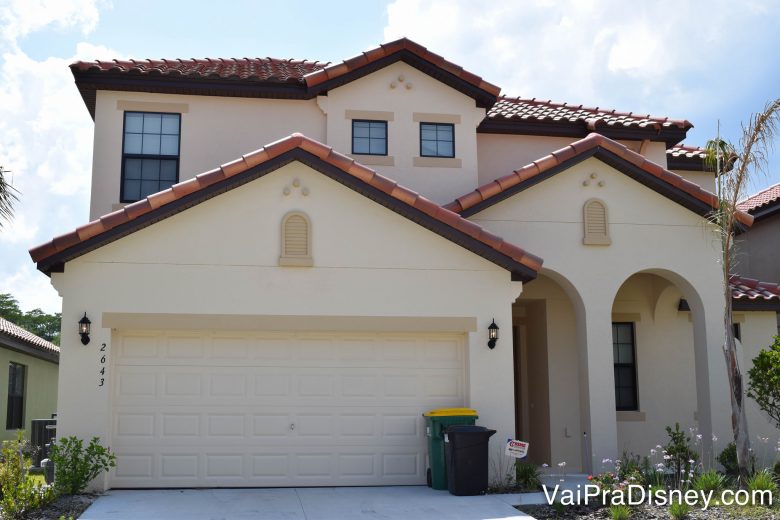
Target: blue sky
702,61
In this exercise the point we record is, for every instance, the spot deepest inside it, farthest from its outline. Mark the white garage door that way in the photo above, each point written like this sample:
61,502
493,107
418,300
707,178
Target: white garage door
277,409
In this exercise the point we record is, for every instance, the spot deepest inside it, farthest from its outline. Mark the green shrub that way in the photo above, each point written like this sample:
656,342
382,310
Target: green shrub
764,383
679,448
762,481
619,512
728,459
22,499
679,510
75,466
776,470
527,476
559,508
20,494
709,481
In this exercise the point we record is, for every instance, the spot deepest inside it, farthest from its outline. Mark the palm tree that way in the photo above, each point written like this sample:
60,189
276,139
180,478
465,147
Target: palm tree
743,161
8,195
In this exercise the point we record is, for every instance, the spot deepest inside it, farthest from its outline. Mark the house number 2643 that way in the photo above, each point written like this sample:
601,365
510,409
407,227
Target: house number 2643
102,364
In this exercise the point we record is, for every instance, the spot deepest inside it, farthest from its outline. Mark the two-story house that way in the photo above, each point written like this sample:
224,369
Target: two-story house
285,318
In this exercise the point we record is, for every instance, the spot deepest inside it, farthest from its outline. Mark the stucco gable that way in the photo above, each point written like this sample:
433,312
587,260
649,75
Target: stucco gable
610,152
53,255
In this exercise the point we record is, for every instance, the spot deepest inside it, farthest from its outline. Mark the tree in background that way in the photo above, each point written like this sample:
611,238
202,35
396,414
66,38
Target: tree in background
746,159
764,384
36,321
8,196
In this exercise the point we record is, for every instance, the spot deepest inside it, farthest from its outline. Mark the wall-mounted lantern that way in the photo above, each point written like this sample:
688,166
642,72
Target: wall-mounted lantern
84,328
492,335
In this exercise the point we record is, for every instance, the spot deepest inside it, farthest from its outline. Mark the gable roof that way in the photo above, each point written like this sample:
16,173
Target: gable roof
763,204
544,117
669,184
750,294
269,77
52,255
19,339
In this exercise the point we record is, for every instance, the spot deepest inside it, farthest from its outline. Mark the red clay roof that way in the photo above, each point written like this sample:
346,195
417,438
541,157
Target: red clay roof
160,200
247,69
15,331
684,150
520,109
760,199
387,49
578,148
750,289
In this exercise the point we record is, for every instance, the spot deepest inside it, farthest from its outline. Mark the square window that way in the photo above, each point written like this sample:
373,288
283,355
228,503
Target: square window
150,153
437,140
369,137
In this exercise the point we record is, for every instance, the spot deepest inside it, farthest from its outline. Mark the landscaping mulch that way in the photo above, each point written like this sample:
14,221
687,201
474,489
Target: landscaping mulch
649,512
69,506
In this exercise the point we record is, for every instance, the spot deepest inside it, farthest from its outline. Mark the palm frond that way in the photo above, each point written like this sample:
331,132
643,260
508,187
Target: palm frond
8,196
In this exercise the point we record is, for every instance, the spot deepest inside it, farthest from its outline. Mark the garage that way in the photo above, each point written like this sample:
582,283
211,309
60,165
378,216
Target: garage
248,408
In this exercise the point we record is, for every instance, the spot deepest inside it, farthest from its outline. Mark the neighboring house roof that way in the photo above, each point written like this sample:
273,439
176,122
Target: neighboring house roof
618,156
750,294
269,77
545,117
15,337
52,255
763,204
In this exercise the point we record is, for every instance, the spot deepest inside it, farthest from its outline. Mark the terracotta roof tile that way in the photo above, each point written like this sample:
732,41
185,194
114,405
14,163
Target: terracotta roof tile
594,140
750,289
690,152
538,110
247,69
760,199
386,49
158,200
15,331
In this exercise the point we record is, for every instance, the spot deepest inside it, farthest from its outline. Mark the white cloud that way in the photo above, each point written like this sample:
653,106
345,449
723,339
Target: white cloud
22,17
45,140
627,55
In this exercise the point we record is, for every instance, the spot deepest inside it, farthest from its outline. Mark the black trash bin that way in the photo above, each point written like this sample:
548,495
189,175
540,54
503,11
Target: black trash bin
466,456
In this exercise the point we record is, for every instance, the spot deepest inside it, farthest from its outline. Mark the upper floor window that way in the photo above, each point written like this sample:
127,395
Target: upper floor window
369,137
15,413
150,154
624,353
437,140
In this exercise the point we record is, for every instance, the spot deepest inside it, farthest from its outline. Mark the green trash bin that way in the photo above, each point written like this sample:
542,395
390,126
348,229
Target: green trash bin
436,421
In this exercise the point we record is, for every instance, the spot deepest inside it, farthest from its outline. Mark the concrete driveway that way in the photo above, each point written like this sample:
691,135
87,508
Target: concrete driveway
386,503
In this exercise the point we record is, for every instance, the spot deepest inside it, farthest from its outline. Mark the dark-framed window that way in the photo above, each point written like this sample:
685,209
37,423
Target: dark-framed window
16,383
369,137
150,153
624,353
737,329
437,140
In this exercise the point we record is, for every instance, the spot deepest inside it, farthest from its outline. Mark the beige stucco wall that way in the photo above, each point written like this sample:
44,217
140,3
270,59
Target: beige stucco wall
704,179
425,95
500,154
40,389
758,251
666,377
214,130
649,233
552,348
221,258
758,331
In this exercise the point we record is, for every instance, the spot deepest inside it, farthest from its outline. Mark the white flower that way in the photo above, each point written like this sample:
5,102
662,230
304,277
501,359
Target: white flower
714,438
606,461
691,461
545,465
667,457
561,464
658,447
653,452
698,437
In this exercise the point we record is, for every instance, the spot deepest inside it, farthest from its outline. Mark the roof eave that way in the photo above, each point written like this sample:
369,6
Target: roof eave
23,347
670,136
